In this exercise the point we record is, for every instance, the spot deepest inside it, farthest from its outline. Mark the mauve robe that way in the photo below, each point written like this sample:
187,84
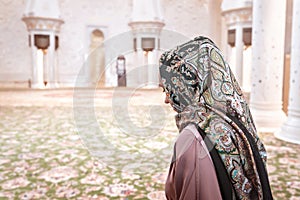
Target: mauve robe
192,174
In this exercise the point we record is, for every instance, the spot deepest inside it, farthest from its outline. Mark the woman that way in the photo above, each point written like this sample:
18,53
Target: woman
218,154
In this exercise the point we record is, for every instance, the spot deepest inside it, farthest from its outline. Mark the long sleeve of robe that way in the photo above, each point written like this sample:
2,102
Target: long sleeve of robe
192,174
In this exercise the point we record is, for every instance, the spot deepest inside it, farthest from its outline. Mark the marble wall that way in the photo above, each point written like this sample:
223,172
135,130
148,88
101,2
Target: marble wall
14,50
188,17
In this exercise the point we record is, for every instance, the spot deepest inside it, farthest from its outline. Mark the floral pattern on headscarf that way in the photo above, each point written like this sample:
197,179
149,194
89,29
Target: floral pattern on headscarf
203,90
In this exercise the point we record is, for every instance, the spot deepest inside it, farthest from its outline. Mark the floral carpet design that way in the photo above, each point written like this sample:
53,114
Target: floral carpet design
44,155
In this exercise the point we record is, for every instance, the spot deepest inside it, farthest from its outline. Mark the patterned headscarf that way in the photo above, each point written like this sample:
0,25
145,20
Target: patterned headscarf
204,91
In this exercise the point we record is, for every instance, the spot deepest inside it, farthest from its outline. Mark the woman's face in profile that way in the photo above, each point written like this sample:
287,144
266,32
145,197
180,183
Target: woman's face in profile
167,98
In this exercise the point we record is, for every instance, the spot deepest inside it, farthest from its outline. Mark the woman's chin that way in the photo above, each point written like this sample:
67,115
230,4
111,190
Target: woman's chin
176,110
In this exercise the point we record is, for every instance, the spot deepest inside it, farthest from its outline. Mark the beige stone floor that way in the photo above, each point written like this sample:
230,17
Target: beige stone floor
65,97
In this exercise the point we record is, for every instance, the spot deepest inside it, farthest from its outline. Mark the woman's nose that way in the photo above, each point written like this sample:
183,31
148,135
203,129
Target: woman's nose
167,100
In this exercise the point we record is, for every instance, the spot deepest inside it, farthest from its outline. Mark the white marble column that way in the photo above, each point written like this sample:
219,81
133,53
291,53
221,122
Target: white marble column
239,51
155,63
290,131
35,82
237,15
146,22
43,19
267,64
38,62
140,60
51,62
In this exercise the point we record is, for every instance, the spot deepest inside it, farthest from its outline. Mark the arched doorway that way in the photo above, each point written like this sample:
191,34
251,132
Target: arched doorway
97,58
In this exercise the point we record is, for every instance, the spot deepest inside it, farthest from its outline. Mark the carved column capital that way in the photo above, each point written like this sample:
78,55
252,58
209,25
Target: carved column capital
43,24
242,15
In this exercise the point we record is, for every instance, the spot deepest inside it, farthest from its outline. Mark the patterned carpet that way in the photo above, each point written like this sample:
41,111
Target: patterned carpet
58,152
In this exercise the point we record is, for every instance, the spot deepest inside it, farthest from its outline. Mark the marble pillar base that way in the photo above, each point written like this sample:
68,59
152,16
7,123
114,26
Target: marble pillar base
37,86
52,85
45,86
290,131
268,121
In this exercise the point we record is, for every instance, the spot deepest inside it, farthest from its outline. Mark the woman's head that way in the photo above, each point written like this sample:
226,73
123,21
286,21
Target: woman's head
195,72
185,74
195,75
181,89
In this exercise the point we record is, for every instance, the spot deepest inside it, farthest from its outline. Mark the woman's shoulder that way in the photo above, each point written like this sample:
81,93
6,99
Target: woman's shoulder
185,139
189,131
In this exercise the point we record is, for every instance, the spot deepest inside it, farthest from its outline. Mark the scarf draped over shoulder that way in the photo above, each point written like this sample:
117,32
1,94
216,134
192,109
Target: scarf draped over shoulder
204,91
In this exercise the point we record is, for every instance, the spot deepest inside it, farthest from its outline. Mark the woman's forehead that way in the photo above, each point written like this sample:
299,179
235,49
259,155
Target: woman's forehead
160,84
